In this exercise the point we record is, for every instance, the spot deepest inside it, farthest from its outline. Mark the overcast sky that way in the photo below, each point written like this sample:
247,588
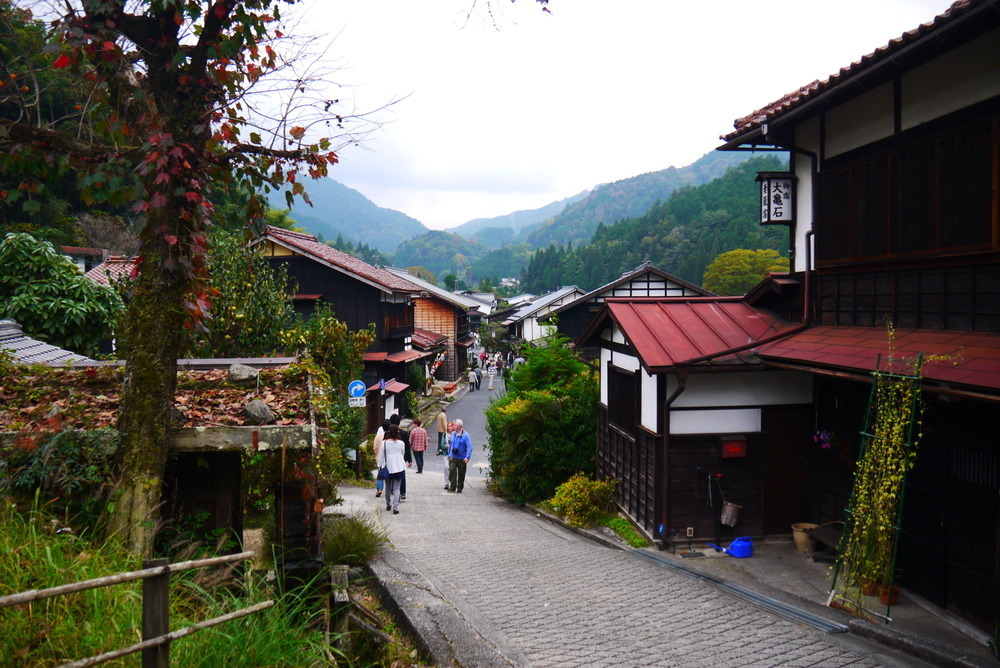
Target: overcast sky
523,108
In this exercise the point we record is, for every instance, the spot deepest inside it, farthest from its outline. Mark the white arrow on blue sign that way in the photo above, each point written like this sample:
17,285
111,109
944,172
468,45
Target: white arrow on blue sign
356,388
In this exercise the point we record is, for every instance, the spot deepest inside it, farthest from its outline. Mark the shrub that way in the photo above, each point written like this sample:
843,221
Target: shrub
544,428
580,500
352,540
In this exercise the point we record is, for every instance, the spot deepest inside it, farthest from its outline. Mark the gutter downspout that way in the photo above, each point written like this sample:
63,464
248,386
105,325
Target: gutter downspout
682,373
806,297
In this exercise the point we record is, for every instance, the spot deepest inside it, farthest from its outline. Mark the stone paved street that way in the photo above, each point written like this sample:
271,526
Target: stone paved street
544,596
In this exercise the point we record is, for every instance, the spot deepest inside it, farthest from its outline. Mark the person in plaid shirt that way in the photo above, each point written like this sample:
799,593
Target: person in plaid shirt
418,443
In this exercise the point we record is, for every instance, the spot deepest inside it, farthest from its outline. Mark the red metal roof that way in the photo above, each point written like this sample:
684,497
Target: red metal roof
308,245
406,356
666,333
392,385
973,358
373,357
817,88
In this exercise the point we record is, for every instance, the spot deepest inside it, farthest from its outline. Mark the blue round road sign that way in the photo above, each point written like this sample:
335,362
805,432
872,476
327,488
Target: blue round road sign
356,388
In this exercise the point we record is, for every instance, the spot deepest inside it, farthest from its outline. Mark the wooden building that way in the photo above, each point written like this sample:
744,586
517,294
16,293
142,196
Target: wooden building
896,169
524,322
448,314
359,295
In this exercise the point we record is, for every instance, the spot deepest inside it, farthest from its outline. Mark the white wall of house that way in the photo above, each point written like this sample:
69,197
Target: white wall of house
933,90
729,403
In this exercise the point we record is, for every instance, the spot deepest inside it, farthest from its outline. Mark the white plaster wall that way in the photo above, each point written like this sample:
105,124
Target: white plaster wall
806,137
859,121
933,90
650,401
605,358
727,421
626,362
743,389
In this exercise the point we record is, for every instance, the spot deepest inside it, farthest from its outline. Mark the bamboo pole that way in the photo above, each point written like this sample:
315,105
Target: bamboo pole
128,576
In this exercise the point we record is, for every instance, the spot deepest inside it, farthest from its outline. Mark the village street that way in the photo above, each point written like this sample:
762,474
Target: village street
535,594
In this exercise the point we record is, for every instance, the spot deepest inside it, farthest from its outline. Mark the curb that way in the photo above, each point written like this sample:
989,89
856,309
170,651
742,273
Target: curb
933,652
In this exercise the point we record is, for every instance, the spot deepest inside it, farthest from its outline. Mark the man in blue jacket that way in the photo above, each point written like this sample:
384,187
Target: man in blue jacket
458,457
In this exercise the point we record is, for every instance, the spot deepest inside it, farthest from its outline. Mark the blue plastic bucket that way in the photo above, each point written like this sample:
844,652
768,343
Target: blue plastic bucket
741,547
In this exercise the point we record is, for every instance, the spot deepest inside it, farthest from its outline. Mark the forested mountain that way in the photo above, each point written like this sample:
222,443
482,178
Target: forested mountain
680,236
339,210
440,253
627,199
506,228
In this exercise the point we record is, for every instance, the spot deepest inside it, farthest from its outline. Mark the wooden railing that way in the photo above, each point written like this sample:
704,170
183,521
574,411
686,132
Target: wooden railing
156,633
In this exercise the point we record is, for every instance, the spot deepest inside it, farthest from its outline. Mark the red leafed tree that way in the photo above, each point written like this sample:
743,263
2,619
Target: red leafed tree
165,85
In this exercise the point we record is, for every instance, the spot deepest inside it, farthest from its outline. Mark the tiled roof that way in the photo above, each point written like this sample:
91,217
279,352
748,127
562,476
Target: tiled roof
426,339
680,331
406,356
26,350
460,301
307,245
112,270
538,303
973,358
882,54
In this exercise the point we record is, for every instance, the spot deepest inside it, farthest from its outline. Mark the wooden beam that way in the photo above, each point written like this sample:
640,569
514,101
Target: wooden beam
221,439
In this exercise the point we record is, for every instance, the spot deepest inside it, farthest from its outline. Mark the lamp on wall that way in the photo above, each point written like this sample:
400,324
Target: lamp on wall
777,198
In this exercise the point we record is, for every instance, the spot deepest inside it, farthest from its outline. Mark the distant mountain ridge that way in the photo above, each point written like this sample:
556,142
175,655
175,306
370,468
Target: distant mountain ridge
517,220
340,210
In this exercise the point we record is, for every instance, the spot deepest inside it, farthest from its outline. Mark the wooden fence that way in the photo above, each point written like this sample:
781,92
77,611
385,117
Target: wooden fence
156,633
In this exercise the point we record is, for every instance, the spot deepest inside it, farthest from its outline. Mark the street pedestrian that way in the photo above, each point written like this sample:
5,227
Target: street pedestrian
460,454
492,371
418,443
393,457
479,377
442,427
405,437
376,448
472,380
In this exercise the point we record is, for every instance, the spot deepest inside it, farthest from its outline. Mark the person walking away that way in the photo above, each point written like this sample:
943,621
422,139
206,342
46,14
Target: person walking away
418,443
376,448
392,456
442,427
472,380
479,377
404,436
461,453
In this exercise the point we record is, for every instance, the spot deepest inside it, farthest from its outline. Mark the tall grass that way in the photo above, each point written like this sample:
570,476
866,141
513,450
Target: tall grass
66,628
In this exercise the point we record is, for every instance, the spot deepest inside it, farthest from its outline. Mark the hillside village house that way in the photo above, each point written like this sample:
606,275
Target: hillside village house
644,281
358,294
445,314
896,166
524,321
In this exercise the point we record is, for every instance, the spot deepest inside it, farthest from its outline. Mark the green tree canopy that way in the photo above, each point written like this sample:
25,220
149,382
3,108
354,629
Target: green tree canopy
48,296
737,271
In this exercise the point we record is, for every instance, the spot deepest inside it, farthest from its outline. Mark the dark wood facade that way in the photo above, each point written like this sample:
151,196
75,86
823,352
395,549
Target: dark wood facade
354,302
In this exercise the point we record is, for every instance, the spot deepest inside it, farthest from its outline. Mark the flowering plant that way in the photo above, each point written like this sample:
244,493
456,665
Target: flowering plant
825,438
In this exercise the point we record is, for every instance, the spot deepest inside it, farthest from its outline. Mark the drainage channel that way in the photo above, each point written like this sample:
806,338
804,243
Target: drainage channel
766,602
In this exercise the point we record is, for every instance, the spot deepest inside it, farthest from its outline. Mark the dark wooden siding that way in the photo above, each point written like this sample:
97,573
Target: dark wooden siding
692,459
632,463
357,304
941,296
931,196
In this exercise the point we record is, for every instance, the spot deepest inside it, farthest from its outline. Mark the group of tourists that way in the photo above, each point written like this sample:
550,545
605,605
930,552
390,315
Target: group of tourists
396,449
492,366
